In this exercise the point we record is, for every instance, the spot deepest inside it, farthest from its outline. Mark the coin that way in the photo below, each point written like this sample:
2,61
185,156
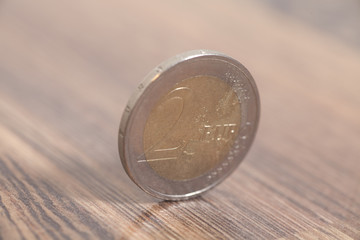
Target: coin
189,124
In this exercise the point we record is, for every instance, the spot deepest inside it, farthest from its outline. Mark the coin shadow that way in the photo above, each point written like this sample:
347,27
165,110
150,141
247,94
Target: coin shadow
113,185
153,212
102,180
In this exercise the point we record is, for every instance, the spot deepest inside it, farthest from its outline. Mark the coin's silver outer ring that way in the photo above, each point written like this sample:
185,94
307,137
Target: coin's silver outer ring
153,87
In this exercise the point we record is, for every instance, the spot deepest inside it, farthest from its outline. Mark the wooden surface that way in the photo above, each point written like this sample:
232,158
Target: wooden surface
67,69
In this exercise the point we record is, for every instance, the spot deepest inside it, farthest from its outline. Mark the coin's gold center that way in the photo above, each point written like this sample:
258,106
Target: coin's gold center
191,129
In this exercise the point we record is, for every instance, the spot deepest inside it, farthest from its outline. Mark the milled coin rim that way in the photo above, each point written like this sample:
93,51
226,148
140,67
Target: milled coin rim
136,101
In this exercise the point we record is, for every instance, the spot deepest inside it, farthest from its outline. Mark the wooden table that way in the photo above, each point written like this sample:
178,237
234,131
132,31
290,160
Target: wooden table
67,69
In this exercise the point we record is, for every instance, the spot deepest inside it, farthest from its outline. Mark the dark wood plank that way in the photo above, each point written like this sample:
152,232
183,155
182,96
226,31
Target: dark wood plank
67,70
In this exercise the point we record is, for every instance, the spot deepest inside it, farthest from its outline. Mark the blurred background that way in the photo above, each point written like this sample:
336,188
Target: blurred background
106,48
340,19
67,69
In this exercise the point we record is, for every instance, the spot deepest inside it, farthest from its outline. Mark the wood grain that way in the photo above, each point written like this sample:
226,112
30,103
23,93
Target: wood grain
67,69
